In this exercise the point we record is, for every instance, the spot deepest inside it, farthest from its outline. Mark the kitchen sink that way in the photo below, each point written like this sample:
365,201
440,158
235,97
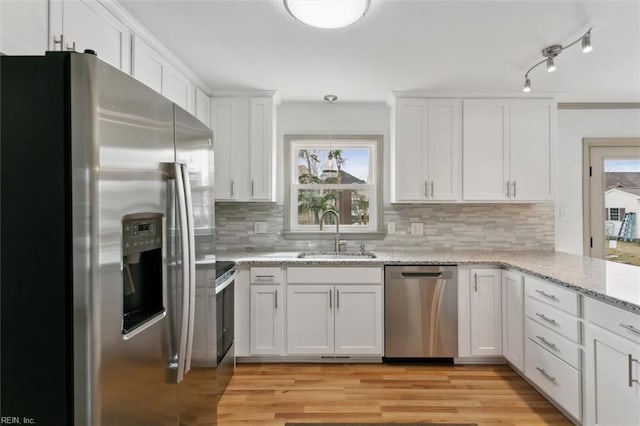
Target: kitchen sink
319,255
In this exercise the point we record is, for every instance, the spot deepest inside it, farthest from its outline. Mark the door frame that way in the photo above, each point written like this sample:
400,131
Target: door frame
587,144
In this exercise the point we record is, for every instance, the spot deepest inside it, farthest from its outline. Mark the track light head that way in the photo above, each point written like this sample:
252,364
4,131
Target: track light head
586,43
549,53
551,67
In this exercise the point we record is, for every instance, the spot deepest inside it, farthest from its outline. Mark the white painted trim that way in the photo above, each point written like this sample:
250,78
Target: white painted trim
474,95
242,93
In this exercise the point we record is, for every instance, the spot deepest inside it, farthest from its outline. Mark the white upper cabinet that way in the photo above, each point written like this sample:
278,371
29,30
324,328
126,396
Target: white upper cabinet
203,104
23,27
508,149
86,24
486,149
244,143
426,150
155,71
533,124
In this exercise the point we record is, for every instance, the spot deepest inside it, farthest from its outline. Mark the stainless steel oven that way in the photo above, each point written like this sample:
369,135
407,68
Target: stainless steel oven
225,335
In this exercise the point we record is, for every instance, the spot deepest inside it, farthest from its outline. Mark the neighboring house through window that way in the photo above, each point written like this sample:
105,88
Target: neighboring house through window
353,192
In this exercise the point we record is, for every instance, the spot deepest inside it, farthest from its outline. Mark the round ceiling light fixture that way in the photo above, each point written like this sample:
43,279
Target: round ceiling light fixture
327,14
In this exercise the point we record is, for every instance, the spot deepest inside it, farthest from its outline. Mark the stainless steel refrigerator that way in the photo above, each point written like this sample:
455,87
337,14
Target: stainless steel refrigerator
106,198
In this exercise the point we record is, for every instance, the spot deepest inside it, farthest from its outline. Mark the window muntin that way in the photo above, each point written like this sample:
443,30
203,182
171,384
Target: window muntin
614,213
352,193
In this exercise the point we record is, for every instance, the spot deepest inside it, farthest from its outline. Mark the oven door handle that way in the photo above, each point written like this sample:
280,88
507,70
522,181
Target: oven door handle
226,283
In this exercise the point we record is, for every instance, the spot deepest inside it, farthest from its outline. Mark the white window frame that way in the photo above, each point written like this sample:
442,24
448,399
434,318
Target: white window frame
372,185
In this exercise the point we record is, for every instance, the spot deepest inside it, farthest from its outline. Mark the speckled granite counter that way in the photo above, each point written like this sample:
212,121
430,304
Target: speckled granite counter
615,283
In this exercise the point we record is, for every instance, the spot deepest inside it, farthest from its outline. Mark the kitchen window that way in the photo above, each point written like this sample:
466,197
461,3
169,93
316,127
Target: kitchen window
353,192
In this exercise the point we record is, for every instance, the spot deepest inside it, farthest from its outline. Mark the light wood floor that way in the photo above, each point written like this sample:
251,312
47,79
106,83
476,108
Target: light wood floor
272,394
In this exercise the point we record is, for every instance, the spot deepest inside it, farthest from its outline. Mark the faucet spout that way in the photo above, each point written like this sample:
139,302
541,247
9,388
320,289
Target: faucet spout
334,213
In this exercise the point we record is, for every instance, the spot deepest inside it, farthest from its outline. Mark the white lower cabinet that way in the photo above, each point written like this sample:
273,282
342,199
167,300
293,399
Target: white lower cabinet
334,311
612,370
513,318
267,307
486,313
310,319
267,319
559,380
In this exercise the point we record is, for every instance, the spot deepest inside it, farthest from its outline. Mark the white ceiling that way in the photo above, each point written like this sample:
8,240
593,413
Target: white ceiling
453,46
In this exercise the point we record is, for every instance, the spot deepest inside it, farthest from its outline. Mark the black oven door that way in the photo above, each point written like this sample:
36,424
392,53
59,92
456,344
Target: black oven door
224,320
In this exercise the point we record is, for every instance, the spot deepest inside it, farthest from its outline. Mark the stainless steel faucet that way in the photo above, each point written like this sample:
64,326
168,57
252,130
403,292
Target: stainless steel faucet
335,213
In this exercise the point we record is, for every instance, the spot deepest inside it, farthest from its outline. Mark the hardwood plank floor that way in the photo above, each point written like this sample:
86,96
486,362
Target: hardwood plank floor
272,394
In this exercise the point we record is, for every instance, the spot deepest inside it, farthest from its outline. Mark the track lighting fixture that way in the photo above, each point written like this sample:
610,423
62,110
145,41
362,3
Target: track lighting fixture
550,52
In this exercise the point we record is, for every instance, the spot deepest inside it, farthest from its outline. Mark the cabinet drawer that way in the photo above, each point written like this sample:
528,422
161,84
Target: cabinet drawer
560,381
553,342
334,275
558,321
561,298
619,321
266,275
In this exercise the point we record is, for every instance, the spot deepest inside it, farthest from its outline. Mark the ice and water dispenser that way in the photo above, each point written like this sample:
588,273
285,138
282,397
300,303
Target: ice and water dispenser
142,271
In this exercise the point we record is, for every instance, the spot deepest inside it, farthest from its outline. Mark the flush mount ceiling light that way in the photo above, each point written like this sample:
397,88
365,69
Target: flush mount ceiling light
327,14
550,52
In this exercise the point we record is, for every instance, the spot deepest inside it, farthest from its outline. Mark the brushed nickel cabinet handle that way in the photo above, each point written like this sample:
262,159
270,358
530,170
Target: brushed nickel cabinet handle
546,318
253,188
475,282
431,189
548,343
631,379
337,299
508,189
545,374
232,185
629,327
276,300
426,186
330,297
547,295
514,189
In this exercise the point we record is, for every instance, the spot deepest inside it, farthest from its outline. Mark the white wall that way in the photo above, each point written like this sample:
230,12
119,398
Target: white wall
347,118
573,126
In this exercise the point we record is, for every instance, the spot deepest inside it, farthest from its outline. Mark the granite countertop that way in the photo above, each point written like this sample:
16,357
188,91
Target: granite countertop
611,282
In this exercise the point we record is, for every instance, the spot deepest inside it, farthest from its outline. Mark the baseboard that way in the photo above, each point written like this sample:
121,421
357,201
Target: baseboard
316,359
470,360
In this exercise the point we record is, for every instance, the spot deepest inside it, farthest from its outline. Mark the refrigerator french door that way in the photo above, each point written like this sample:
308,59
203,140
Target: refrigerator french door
100,226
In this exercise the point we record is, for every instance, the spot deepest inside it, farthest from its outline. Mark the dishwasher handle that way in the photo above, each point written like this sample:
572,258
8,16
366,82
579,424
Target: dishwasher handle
442,274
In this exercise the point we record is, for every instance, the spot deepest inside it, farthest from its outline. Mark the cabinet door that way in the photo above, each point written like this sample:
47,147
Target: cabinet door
513,318
444,149
266,320
203,104
261,149
410,150
90,25
486,312
613,363
310,319
358,319
147,64
23,27
485,150
176,87
224,122
532,149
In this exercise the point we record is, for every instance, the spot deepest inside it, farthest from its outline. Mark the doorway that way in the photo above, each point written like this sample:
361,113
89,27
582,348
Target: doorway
612,199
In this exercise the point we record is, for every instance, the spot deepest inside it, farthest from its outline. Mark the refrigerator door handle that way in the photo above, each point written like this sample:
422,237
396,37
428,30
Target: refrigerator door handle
192,264
184,241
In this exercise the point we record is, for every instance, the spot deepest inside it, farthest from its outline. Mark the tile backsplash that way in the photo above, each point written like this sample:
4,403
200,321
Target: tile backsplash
448,227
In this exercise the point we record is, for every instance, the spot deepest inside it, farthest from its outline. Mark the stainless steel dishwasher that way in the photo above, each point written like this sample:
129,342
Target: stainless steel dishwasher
421,312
